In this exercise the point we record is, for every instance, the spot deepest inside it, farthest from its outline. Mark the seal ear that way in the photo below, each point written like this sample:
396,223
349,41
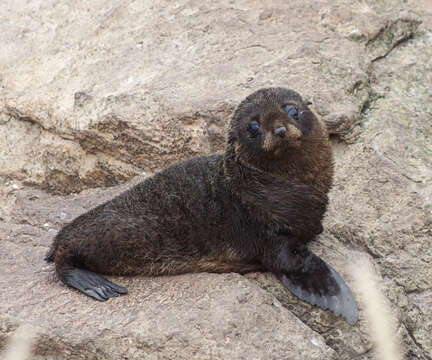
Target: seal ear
319,284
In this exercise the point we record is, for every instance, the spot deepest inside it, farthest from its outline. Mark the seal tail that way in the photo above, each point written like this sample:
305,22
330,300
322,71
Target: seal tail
70,270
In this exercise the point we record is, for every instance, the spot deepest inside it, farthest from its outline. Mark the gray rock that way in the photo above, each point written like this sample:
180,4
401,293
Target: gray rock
197,316
94,95
96,92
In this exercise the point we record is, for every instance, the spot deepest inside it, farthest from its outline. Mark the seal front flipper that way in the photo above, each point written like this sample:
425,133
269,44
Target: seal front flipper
319,284
92,284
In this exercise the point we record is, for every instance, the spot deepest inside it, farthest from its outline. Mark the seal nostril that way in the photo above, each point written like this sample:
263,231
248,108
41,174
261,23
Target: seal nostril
280,131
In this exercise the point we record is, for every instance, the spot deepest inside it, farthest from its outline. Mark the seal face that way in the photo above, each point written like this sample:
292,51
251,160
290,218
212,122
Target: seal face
275,122
280,160
255,207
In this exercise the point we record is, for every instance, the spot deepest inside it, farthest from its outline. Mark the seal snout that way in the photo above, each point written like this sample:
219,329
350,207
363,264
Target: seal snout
280,131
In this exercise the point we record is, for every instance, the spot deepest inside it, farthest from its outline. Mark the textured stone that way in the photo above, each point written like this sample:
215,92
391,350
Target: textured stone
198,316
94,94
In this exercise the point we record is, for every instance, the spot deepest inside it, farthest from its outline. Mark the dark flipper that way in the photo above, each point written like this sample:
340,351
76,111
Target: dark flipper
92,284
319,284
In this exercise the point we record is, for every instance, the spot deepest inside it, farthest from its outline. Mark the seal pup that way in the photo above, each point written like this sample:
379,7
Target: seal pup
255,207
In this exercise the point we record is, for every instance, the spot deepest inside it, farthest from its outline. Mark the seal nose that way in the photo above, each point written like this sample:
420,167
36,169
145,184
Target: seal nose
280,131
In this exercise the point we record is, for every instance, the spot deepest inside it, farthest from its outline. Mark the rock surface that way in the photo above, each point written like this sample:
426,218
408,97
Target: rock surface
197,316
95,93
381,202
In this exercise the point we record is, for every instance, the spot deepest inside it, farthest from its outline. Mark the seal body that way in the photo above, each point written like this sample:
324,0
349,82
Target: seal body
254,207
182,219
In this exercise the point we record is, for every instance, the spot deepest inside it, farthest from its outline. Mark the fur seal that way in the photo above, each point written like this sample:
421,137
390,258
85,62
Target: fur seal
254,207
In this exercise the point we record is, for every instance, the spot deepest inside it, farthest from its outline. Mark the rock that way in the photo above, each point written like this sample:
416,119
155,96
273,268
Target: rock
94,93
381,202
197,316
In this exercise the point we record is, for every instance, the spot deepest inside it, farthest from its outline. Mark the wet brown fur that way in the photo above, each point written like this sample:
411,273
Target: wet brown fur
237,211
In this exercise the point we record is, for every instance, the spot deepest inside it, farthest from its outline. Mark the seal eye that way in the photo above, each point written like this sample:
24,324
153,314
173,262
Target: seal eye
295,252
254,127
293,111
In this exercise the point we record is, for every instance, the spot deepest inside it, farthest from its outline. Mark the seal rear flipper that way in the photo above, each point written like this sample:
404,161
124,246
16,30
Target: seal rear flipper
319,284
92,284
